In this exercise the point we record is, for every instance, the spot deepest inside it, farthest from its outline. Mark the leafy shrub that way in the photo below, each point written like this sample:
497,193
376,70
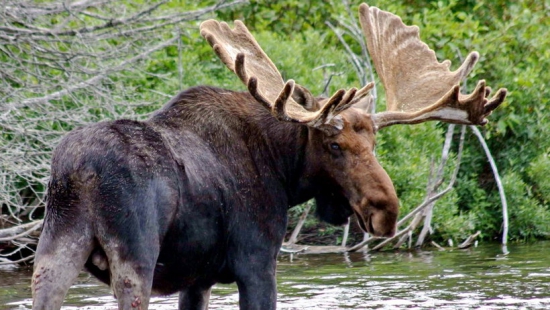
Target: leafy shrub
528,218
539,172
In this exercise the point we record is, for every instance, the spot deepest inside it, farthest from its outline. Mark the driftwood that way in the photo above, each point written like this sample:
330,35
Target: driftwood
469,242
312,249
20,231
294,237
326,249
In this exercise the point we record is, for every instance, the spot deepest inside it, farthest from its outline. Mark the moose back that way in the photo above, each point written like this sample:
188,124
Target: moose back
198,193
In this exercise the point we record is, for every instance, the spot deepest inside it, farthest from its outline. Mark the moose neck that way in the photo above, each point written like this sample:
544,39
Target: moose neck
243,135
287,144
283,147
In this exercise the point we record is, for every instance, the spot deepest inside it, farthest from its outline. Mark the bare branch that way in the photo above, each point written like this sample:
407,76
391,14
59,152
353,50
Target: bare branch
19,230
67,64
468,242
294,237
4,261
364,243
95,79
114,22
37,225
20,9
478,134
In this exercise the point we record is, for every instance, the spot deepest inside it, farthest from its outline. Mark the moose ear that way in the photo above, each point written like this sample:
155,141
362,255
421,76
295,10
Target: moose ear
303,97
333,127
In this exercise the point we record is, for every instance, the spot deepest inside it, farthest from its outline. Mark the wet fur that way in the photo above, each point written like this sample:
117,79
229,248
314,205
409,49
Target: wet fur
208,178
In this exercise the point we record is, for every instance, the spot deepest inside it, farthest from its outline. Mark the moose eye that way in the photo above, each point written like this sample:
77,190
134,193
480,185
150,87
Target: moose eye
335,146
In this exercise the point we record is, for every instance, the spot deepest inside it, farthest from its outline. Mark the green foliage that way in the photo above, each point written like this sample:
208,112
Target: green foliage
409,173
539,172
409,153
287,16
528,218
449,223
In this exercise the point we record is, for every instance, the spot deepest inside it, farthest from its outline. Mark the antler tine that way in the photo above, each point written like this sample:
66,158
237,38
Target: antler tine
253,90
239,68
452,108
340,101
497,99
251,83
240,52
362,93
328,112
279,109
418,86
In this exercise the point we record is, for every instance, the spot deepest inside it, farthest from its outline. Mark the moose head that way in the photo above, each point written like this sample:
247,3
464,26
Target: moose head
341,141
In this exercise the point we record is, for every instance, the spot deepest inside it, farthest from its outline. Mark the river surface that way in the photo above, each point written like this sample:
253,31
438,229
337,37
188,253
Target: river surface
485,277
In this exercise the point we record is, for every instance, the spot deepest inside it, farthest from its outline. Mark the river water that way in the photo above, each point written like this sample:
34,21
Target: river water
485,277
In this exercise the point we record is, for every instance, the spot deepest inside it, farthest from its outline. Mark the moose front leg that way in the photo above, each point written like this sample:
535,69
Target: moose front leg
257,288
254,266
194,298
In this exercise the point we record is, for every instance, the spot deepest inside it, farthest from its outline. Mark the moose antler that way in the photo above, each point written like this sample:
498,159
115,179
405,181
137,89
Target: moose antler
240,52
418,87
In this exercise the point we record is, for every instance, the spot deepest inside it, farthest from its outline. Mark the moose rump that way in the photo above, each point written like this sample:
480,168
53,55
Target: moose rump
111,191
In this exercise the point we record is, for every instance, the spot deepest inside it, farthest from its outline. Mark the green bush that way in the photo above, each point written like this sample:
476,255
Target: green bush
528,218
539,172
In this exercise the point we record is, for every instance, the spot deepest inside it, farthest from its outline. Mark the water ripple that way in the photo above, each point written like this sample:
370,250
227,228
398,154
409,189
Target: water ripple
481,278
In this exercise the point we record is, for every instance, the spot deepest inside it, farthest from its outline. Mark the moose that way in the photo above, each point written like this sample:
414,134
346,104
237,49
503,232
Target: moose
198,193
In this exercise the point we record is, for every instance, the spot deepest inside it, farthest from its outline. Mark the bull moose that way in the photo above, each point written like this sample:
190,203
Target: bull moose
198,194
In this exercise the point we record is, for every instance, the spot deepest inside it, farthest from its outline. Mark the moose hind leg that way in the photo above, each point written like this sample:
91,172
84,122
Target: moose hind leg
131,281
131,260
60,257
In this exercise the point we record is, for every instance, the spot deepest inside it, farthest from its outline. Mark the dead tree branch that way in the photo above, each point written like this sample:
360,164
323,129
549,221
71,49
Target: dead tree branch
478,134
469,241
96,79
294,237
15,232
65,64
